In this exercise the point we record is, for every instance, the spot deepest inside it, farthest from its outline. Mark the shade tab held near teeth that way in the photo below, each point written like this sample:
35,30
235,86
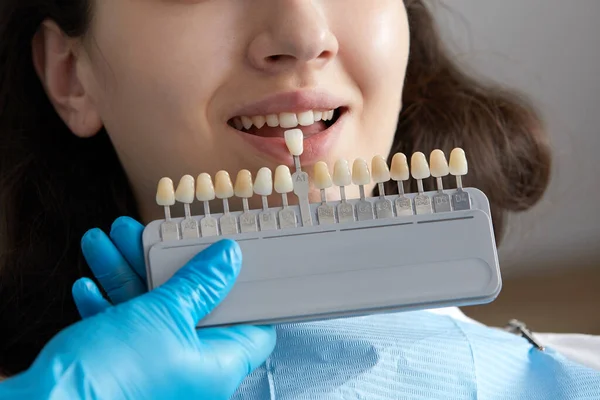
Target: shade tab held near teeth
243,184
205,190
283,180
185,190
341,173
380,170
263,184
322,177
399,170
419,166
223,185
294,139
360,172
458,162
438,164
165,192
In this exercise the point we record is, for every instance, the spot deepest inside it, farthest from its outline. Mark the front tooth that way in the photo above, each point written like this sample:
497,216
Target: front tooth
318,115
360,172
272,120
306,118
419,166
294,140
288,120
259,121
243,185
165,193
186,190
342,176
247,122
283,182
205,189
263,185
223,185
322,177
237,122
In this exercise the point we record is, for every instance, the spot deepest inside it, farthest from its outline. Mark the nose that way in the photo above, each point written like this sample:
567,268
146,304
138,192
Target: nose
294,34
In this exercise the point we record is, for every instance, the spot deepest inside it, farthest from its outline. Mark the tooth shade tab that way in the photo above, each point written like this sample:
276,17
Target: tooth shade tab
419,166
283,180
458,162
223,185
360,172
294,140
263,184
243,184
438,164
380,170
322,177
165,192
399,170
185,190
341,173
205,190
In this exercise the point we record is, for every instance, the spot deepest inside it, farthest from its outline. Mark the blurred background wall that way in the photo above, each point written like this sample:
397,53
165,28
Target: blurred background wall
550,49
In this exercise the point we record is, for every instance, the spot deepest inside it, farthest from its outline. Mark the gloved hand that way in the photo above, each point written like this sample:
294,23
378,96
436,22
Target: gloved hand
117,262
148,347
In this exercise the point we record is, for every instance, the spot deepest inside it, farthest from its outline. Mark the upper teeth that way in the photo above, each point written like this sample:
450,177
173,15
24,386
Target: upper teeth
284,120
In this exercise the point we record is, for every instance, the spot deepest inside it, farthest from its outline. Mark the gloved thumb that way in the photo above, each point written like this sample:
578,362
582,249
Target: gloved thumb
197,288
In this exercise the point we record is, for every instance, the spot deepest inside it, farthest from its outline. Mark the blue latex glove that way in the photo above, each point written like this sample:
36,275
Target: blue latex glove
148,347
117,262
411,355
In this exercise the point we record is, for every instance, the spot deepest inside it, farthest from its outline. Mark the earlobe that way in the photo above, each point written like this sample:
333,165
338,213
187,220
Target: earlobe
56,64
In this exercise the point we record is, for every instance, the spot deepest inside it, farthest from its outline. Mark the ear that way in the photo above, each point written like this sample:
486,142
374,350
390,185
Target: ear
59,68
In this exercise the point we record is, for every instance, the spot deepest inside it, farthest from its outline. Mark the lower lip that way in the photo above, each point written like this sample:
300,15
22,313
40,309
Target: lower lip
316,147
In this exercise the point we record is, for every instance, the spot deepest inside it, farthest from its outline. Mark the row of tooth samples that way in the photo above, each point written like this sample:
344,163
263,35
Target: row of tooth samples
400,172
284,183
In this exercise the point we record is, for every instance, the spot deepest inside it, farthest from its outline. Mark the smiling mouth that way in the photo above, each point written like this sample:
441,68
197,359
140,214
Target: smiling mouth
311,122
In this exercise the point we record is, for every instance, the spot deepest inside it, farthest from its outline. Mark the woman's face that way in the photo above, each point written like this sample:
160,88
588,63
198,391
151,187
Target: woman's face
171,80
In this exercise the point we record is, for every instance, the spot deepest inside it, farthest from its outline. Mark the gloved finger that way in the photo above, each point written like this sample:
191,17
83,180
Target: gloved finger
197,288
126,234
113,272
240,349
88,299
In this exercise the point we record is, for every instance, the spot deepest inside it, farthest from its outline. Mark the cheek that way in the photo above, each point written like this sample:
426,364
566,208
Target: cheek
151,80
374,46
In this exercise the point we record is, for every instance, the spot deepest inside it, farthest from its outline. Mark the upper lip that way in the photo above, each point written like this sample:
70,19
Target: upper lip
293,102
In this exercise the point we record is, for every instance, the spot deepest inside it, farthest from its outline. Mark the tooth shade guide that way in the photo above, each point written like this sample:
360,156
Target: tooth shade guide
468,264
422,203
